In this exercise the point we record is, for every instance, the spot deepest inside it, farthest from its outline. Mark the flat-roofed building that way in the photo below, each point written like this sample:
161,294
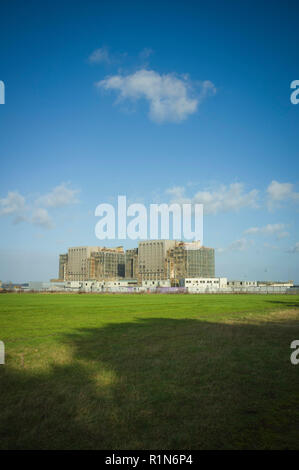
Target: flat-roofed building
151,259
62,273
275,283
189,260
204,283
77,263
107,263
239,283
131,270
92,262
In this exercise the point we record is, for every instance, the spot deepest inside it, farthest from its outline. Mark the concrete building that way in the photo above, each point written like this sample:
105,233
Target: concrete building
131,270
106,263
92,262
62,273
189,260
151,259
77,263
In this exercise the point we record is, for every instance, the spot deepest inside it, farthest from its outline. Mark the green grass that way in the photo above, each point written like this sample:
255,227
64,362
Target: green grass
149,372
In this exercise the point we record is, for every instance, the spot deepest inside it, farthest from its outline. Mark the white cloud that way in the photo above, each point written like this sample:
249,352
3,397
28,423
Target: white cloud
170,97
269,229
35,211
223,199
14,203
60,196
41,218
177,194
103,56
99,55
295,248
239,245
279,192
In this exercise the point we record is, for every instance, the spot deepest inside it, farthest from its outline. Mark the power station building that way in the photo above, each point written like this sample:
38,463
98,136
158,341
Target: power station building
189,260
107,263
92,262
131,269
153,260
62,273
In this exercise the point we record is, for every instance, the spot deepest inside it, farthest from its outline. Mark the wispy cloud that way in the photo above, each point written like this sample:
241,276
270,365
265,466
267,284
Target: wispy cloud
294,249
239,245
270,246
281,235
171,98
13,203
104,56
35,211
224,199
60,196
99,56
41,218
280,192
269,229
233,197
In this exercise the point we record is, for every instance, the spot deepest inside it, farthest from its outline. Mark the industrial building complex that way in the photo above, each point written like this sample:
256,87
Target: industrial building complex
153,260
155,266
164,266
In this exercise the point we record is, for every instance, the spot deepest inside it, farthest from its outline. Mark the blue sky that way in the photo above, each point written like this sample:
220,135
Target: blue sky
160,102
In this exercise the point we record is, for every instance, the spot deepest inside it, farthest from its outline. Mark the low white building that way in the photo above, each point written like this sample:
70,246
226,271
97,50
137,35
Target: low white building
275,283
200,284
239,283
72,285
156,283
119,285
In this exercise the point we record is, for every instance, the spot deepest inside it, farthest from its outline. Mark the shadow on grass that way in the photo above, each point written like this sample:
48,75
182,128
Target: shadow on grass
158,384
292,303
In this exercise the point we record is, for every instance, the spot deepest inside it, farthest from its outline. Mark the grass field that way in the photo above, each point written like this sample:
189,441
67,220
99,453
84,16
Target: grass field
149,372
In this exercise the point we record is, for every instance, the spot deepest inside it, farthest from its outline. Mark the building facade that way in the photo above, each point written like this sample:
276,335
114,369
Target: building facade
189,260
62,273
107,263
77,263
151,259
204,283
131,270
92,262
239,283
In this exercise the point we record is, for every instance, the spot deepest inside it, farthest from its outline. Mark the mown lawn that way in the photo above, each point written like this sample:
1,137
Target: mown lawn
149,372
